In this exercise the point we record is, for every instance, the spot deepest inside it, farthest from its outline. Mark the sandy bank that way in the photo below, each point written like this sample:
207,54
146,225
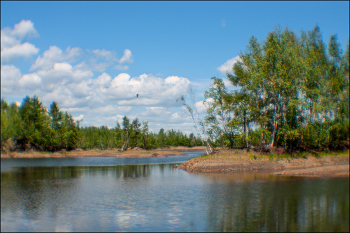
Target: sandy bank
131,153
232,161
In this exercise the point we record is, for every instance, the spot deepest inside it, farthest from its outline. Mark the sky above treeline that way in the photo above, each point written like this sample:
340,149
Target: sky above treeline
92,58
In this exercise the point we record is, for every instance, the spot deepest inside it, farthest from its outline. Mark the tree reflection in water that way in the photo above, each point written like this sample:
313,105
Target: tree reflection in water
294,205
28,188
163,198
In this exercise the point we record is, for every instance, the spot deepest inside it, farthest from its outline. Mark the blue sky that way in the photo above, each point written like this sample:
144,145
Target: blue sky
93,57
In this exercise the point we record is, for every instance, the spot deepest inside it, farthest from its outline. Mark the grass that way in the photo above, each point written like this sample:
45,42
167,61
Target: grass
243,155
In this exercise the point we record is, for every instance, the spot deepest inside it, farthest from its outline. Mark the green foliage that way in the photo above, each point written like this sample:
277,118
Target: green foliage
32,126
289,92
219,114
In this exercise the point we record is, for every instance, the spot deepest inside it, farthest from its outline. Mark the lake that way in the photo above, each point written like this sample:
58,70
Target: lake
148,194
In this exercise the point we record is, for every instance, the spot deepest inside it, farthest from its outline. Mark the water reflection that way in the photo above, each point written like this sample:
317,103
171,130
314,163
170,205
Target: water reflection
24,175
160,198
289,205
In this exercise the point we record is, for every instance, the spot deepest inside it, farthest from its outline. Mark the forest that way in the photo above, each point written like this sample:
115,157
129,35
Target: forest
30,126
289,92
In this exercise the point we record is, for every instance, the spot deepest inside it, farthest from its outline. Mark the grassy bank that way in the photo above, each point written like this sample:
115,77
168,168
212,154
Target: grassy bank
231,161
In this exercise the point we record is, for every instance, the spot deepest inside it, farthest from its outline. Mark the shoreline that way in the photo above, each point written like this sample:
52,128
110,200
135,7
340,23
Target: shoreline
236,161
221,162
79,153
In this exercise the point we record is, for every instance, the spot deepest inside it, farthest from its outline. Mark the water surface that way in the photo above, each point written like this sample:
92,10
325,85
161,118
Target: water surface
158,197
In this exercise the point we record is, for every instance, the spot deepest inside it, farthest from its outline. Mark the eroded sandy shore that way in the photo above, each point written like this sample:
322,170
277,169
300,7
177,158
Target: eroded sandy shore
233,161
131,153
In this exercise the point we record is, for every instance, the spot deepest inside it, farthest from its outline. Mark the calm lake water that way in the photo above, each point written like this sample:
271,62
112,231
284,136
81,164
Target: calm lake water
148,194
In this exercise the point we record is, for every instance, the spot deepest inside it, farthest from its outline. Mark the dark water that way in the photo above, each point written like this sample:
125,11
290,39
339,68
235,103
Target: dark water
63,195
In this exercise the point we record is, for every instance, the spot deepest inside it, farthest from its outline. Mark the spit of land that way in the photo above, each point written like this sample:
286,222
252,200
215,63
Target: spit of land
235,161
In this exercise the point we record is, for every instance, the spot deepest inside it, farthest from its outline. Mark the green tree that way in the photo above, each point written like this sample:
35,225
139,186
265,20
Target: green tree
35,123
293,90
126,136
145,130
219,112
136,128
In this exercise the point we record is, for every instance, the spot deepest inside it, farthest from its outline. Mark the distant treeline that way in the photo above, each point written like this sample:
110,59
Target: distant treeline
31,126
291,93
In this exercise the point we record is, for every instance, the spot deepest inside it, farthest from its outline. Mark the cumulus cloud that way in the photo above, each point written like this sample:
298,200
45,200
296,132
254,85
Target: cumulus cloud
30,81
107,57
24,50
55,55
66,76
201,106
10,76
103,80
63,73
75,88
127,57
151,89
227,66
11,46
23,29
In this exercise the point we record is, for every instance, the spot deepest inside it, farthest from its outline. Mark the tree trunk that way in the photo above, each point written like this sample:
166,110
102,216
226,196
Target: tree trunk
101,143
126,141
274,126
245,128
144,141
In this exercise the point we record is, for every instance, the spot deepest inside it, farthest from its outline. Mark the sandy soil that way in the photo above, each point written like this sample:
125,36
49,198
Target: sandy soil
130,153
233,161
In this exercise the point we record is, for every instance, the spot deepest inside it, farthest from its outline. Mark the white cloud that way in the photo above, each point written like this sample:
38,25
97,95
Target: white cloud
66,76
227,82
102,80
171,80
201,106
24,50
23,29
101,100
121,67
54,55
100,59
152,90
78,118
121,79
11,46
12,37
9,78
227,66
30,81
105,54
64,73
7,40
127,57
